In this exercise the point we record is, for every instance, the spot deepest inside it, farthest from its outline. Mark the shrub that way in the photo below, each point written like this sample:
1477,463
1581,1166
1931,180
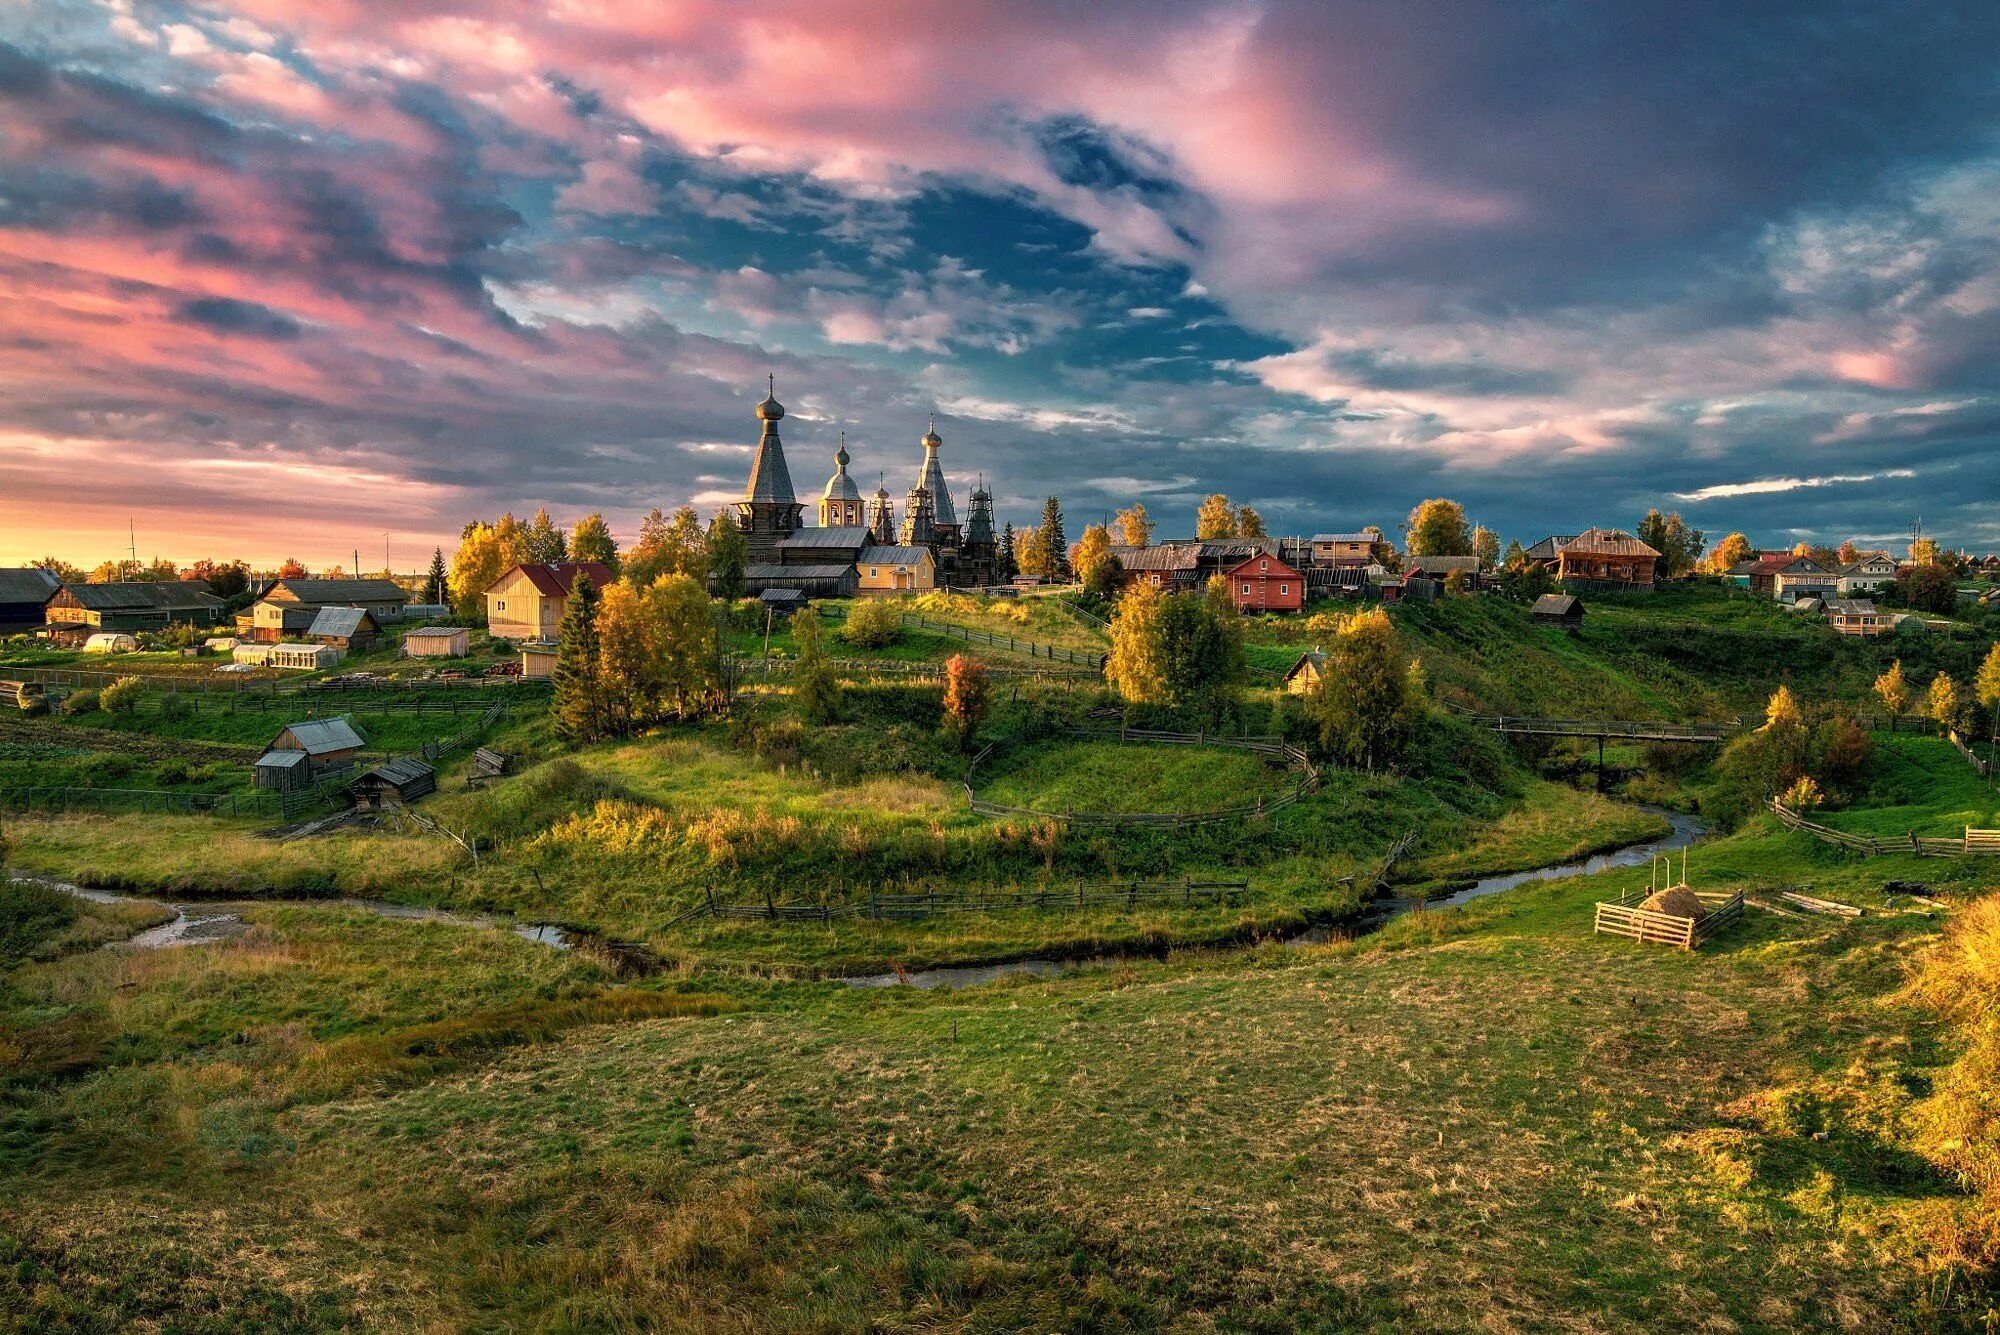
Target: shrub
174,705
122,696
873,623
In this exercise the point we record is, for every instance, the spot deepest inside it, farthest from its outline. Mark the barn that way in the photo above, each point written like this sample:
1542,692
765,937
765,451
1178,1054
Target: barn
393,783
24,598
437,642
80,609
305,750
348,628
1558,609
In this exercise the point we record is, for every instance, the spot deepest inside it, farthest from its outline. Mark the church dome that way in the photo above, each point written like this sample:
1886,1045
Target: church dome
931,439
840,487
770,410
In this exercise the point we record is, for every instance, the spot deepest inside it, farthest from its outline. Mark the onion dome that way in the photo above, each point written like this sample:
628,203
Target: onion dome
840,487
931,439
770,410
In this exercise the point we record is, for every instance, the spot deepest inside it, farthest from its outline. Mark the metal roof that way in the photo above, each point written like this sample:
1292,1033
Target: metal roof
318,736
1857,607
29,585
554,579
174,595
892,556
1163,556
401,770
339,622
281,759
325,591
434,632
1344,537
826,539
1554,604
773,572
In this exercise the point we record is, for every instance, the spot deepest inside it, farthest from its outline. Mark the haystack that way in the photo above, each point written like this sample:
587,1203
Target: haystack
1677,900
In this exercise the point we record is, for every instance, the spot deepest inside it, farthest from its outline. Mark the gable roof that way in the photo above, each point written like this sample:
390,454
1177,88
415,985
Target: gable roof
319,736
175,595
400,771
28,585
823,539
1607,542
1344,537
1556,605
1311,656
554,579
338,591
1162,556
341,622
1284,567
892,556
1852,607
433,632
1432,565
1546,549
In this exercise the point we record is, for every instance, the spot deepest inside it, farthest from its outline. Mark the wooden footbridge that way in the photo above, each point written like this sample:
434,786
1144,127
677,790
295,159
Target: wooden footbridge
1614,730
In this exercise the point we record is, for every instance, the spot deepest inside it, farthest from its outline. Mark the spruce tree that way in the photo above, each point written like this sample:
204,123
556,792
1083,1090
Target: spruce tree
1004,565
1058,544
579,656
435,581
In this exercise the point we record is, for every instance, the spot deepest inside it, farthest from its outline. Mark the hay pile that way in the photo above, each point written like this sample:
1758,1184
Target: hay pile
1679,901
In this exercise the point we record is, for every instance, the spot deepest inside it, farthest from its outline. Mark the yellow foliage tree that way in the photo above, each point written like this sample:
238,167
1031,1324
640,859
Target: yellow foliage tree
1215,519
1093,549
1136,666
1135,527
480,559
1892,688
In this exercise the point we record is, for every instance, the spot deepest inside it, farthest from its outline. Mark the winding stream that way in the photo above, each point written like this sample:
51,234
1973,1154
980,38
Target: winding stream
195,924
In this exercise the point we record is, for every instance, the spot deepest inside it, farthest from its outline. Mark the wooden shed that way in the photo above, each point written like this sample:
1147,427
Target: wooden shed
1303,677
437,642
350,628
327,743
538,659
1558,609
394,783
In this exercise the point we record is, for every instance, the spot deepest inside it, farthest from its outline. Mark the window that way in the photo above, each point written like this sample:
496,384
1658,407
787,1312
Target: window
1246,590
1263,565
1284,589
501,604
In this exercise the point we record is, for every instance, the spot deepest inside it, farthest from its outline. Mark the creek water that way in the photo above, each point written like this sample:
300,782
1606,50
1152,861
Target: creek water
1374,915
198,924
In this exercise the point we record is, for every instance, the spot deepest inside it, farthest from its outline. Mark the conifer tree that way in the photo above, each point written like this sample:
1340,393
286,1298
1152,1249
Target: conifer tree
1005,567
577,707
436,581
814,685
1054,541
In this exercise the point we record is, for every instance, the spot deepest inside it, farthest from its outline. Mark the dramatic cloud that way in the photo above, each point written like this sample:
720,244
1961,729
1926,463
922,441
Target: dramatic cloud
276,274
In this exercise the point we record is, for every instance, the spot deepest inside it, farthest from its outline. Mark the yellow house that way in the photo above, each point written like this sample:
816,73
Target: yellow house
527,602
895,570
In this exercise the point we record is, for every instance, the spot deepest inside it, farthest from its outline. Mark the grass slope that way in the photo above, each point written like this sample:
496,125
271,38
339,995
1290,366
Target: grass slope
1072,776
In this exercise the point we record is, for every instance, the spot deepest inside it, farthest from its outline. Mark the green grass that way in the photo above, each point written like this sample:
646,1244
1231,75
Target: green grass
1109,776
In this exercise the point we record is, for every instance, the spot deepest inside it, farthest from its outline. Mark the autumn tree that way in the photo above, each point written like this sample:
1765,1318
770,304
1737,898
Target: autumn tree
1215,519
1107,579
1941,702
592,541
1893,690
966,700
1679,546
1986,687
1437,527
1847,553
577,679
689,659
1732,551
728,555
1486,547
1370,693
1135,526
1249,524
1093,549
225,579
1136,666
1924,551
814,686
542,541
293,568
478,562
513,540
1782,741
676,546
628,678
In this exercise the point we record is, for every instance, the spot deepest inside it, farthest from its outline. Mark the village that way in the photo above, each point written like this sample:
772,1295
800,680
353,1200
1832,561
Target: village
945,789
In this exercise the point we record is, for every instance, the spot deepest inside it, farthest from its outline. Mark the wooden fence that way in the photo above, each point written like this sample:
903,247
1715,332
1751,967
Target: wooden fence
1978,765
1973,843
66,800
889,667
1624,917
1014,644
1076,898
1308,783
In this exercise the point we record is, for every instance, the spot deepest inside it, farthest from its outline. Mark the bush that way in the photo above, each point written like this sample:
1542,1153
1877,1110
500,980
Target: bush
122,696
174,706
82,702
873,623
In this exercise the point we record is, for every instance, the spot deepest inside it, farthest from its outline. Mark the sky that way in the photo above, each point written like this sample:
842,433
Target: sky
298,279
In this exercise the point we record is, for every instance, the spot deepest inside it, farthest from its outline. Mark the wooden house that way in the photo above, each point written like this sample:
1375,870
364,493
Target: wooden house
1869,573
1600,558
882,570
1558,609
829,580
151,605
1303,677
393,783
304,751
1342,551
437,642
538,659
1442,568
1856,616
1760,576
350,629
1803,577
24,599
1266,583
384,598
1169,567
528,601
271,622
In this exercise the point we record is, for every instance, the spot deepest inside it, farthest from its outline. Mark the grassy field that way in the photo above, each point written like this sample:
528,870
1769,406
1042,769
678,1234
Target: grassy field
1066,775
425,1126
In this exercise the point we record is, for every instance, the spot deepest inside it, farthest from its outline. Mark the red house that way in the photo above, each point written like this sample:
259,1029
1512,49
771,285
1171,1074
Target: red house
1264,583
